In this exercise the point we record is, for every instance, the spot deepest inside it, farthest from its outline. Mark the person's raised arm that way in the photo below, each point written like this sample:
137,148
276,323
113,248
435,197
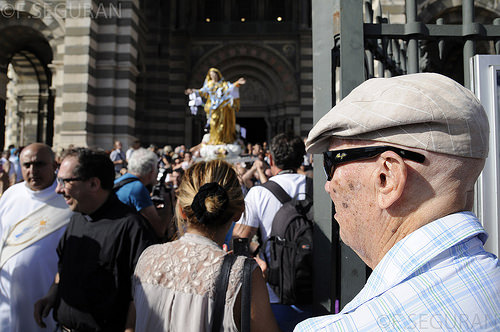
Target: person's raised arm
260,171
247,177
240,81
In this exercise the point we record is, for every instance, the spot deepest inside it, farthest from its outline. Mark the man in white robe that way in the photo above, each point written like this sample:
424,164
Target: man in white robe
28,269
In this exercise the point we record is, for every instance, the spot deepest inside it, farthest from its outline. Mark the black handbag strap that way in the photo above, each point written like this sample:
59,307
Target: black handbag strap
220,292
246,292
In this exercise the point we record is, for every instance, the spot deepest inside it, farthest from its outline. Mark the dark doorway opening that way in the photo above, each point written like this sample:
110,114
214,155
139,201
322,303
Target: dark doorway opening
256,129
27,113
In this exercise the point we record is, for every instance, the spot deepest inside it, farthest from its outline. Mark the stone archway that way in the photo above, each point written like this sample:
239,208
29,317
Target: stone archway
29,60
30,104
270,97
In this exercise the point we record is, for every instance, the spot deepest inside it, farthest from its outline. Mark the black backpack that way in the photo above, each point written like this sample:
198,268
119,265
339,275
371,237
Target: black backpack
290,246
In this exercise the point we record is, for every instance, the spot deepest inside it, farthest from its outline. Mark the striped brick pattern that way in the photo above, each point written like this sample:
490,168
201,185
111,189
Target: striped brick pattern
79,75
306,80
116,72
100,73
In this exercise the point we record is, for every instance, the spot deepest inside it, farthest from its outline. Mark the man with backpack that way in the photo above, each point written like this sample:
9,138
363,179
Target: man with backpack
285,231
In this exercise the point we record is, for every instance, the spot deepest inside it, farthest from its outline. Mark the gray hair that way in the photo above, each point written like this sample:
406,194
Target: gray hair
142,162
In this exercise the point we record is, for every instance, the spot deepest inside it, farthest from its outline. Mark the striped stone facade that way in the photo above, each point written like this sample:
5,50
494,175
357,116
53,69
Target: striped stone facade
100,72
88,72
118,70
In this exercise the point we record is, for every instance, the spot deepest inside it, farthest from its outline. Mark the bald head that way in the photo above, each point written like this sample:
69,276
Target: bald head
38,166
451,179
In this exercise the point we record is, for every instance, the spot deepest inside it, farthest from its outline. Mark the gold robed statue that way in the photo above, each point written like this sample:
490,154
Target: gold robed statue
222,101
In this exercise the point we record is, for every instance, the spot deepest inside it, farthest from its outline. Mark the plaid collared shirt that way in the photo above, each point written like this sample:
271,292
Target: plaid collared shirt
437,278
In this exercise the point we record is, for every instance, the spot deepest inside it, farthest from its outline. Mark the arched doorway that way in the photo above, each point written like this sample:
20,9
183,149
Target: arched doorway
269,99
27,110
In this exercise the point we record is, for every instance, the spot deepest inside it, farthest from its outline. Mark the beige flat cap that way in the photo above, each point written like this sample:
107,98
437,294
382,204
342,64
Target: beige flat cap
425,111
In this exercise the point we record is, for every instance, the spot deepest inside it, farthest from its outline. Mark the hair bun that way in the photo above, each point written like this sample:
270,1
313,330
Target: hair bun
199,203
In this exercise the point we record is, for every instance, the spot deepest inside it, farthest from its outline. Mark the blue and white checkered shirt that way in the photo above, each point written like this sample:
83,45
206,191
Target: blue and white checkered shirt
437,278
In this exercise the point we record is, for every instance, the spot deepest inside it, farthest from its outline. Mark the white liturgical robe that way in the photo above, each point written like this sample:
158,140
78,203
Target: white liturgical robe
27,275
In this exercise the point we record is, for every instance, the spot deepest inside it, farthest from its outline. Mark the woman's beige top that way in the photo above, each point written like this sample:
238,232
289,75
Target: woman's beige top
174,286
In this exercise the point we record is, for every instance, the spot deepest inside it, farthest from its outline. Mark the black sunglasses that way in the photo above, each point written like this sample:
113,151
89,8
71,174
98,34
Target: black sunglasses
332,158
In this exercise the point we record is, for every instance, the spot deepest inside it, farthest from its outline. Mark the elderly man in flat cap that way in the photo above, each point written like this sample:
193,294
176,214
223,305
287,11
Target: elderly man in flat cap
401,157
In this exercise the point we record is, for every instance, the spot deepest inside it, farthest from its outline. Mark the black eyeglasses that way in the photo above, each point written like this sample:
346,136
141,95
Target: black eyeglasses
332,158
62,181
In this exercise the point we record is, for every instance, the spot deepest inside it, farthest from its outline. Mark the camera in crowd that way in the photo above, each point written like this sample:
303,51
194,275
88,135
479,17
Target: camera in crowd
159,189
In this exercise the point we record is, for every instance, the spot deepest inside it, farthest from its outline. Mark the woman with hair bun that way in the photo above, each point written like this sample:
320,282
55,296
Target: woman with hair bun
175,282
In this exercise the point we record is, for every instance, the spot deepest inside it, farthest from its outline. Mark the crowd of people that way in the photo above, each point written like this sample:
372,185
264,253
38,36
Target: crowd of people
145,179
140,239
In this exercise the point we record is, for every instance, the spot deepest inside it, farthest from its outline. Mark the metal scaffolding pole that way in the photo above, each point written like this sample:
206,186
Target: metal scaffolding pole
469,30
412,26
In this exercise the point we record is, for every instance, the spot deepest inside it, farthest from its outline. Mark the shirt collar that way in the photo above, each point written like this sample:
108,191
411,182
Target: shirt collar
104,209
44,194
417,249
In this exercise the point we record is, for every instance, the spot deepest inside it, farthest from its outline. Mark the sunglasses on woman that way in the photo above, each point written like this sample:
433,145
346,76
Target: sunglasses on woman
333,158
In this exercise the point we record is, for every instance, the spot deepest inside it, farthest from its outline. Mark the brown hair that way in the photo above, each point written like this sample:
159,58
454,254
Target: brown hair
202,173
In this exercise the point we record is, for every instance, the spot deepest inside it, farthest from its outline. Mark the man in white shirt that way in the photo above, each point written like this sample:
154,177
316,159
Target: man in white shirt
287,153
401,156
26,211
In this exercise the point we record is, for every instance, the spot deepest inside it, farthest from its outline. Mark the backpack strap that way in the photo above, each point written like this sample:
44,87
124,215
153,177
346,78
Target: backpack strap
220,292
309,187
277,191
120,184
246,291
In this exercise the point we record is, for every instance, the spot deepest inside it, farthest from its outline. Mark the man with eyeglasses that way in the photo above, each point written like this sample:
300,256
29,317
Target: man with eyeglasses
401,157
97,253
32,220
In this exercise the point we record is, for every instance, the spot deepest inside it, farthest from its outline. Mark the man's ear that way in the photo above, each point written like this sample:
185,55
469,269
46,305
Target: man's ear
95,183
391,179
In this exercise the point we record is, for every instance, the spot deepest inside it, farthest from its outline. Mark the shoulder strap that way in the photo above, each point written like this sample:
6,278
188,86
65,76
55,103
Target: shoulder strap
277,191
309,187
246,292
220,292
120,184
